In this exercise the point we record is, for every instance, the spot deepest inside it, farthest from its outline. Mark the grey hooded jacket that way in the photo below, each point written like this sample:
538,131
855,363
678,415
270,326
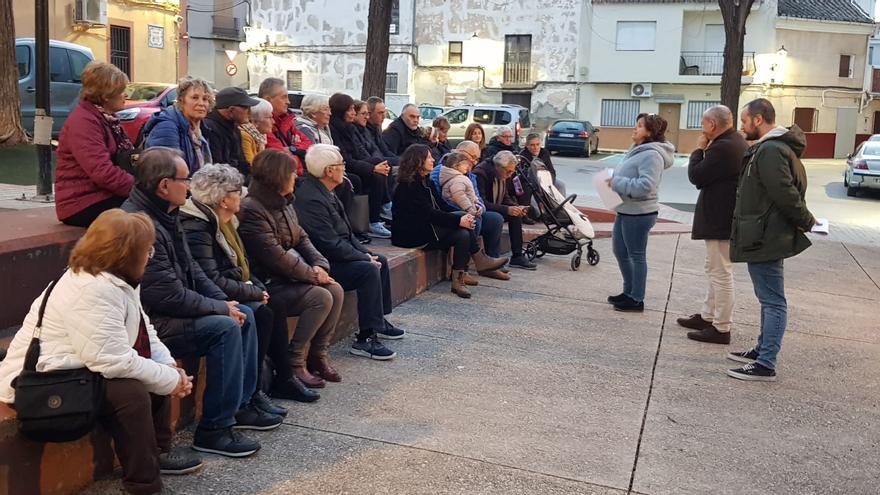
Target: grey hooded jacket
637,178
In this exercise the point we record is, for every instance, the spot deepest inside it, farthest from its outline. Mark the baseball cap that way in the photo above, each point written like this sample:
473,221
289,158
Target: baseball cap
233,97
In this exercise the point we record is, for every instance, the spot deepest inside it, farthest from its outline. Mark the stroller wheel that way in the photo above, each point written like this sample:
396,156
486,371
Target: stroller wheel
576,261
593,257
531,251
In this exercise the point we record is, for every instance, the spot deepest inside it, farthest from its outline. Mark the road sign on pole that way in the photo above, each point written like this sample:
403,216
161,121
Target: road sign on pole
231,69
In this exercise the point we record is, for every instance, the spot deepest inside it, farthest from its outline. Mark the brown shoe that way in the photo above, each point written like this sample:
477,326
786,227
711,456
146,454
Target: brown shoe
694,322
469,280
484,262
459,288
710,335
321,367
496,274
308,379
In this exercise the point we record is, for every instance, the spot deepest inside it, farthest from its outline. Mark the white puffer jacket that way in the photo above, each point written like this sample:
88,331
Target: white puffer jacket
92,321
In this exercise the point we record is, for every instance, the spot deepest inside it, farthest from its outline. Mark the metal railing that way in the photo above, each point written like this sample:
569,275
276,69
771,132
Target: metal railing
517,73
227,27
711,64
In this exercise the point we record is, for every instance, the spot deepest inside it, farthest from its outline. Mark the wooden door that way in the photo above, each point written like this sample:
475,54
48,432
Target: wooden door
672,113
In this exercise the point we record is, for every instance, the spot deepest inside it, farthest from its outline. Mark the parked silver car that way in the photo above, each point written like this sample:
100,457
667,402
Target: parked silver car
863,168
66,63
491,118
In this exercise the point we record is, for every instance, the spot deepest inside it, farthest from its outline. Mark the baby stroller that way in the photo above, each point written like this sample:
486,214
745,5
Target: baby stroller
567,228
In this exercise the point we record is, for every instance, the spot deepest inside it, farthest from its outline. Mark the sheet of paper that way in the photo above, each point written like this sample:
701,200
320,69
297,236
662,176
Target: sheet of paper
609,198
821,226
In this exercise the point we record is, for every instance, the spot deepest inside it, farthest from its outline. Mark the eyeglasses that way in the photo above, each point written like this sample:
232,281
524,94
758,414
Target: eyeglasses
230,191
185,180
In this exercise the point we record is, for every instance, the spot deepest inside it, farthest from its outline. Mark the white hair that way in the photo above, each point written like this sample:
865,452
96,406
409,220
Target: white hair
321,156
499,131
312,103
504,158
213,182
261,110
721,115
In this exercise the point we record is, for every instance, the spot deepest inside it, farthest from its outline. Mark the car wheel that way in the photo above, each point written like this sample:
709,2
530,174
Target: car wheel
596,149
852,191
588,152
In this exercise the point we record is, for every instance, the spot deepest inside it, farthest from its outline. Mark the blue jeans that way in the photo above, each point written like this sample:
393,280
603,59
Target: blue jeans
230,352
768,278
629,241
489,225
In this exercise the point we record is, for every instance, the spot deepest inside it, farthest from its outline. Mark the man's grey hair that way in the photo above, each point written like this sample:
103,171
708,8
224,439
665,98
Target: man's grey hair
312,103
504,158
213,182
372,102
407,107
468,145
267,87
262,110
721,115
187,84
532,137
454,158
321,156
155,164
501,130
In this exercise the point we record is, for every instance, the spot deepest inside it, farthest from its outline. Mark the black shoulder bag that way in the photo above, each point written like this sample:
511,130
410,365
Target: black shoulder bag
55,406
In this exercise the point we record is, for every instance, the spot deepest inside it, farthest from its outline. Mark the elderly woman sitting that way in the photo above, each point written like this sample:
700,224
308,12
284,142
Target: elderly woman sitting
351,264
181,126
295,273
87,181
256,134
208,218
315,120
94,319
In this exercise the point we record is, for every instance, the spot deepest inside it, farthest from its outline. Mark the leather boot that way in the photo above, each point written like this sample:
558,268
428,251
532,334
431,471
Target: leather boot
308,379
484,263
321,367
496,274
293,389
458,286
469,280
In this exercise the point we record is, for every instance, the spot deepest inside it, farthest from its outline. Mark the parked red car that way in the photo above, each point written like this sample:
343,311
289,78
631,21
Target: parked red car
144,100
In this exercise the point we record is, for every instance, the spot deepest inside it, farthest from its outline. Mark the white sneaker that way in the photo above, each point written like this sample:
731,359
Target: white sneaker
378,230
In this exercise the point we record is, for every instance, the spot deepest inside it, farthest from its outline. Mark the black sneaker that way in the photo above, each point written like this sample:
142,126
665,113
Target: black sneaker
753,372
629,305
251,418
363,238
293,389
616,299
224,441
179,461
743,357
522,262
710,335
390,332
262,402
373,349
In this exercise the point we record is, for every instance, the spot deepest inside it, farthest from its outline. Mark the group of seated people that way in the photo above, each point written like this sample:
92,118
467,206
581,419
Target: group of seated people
200,248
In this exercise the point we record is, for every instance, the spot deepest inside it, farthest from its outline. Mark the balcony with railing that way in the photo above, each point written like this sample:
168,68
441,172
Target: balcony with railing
711,64
228,27
517,73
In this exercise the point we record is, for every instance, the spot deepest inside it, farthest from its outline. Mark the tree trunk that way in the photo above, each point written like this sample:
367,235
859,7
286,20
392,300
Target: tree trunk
11,132
734,13
376,63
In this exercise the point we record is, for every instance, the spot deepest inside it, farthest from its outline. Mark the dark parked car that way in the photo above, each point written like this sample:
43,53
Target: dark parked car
572,136
144,100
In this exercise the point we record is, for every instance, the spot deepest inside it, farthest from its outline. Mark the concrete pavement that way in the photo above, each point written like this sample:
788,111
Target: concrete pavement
537,386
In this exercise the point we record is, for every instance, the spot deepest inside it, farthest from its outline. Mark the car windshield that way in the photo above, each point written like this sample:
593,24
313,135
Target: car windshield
871,148
144,92
568,126
430,112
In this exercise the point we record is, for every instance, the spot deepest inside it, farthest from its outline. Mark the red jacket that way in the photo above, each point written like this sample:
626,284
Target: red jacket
84,170
286,137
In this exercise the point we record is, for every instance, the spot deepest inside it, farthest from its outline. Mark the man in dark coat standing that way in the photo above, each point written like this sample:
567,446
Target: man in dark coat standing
192,315
224,137
405,131
714,169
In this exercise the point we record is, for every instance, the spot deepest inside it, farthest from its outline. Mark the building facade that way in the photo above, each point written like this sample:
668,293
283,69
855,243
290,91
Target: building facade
138,36
214,30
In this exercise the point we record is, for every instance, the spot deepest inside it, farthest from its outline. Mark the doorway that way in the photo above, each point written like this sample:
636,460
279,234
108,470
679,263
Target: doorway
672,113
876,123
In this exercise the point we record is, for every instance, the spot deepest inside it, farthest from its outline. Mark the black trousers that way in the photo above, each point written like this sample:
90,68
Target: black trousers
459,240
373,286
376,187
85,217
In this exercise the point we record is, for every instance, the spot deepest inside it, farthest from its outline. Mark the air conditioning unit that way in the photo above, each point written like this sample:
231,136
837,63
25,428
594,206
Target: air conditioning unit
640,90
90,12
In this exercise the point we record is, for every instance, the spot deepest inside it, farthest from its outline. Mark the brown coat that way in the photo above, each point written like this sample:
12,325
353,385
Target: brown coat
279,249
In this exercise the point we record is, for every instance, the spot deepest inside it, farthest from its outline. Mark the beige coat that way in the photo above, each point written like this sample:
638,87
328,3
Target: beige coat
457,188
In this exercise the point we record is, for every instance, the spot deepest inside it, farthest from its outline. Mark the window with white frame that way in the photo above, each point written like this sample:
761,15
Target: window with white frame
391,82
636,36
619,113
695,112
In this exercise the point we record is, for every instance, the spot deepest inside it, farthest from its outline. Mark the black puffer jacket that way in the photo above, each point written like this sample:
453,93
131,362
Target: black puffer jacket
174,290
496,146
322,216
399,137
279,247
373,134
348,140
544,156
212,252
416,212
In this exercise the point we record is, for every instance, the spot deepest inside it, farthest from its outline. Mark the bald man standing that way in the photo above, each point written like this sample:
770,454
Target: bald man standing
714,169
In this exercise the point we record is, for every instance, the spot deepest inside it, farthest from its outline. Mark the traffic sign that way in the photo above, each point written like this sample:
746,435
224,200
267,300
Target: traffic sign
231,69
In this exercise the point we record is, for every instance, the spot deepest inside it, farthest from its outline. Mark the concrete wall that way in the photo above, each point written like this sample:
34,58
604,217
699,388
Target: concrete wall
147,64
813,57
